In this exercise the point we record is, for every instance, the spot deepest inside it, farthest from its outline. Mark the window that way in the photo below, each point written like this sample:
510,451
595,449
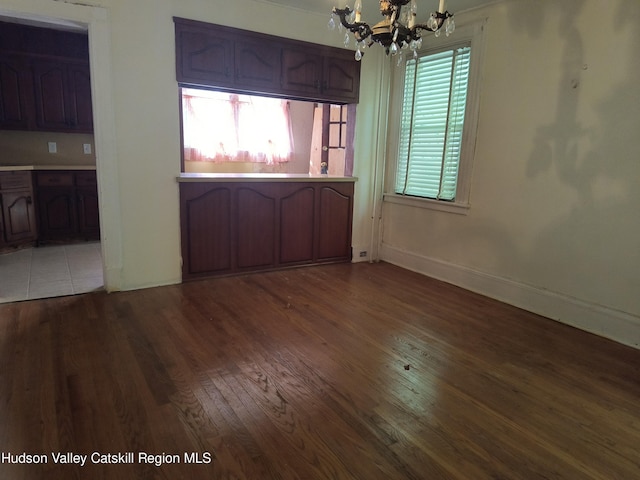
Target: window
432,122
228,127
435,107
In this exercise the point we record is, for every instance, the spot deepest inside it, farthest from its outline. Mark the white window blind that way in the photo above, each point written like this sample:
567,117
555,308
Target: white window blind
433,111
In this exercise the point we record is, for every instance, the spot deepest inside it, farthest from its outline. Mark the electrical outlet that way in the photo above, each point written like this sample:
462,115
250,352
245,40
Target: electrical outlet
53,147
86,148
363,253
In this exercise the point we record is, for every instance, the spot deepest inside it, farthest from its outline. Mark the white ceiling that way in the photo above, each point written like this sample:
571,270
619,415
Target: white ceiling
372,7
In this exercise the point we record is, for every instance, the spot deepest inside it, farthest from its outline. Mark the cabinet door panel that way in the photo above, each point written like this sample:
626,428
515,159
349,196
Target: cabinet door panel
256,229
204,58
51,96
88,213
296,226
81,110
335,224
19,216
56,210
15,92
207,231
301,73
257,65
342,79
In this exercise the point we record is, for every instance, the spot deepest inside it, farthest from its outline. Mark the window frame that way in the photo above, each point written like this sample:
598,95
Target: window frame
471,34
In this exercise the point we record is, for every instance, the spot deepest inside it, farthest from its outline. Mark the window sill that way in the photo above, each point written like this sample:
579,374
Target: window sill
451,207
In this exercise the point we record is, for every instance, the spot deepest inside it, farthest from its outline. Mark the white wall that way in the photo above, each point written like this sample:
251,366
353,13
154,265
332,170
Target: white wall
553,225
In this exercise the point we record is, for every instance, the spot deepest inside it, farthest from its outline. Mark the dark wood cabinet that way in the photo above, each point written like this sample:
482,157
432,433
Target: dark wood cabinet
45,80
257,65
17,215
321,75
67,205
62,96
227,58
16,93
234,227
203,56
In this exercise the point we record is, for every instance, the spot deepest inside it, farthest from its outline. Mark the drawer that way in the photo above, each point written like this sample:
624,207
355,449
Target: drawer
14,180
86,179
55,179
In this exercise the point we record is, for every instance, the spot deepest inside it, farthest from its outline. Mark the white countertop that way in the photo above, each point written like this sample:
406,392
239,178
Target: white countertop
13,168
261,177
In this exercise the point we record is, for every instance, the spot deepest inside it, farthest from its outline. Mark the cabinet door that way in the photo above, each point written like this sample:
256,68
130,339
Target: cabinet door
63,97
52,104
203,57
257,65
88,217
56,211
256,227
341,78
16,94
301,73
79,97
334,235
19,216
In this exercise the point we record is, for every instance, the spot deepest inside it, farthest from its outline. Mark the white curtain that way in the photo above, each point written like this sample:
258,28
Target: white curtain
227,127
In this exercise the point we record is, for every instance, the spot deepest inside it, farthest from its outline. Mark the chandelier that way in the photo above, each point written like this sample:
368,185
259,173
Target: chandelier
396,32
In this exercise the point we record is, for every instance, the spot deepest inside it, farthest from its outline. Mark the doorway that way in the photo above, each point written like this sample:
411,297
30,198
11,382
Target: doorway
63,268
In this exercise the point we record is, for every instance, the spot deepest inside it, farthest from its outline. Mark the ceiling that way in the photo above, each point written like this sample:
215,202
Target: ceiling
370,7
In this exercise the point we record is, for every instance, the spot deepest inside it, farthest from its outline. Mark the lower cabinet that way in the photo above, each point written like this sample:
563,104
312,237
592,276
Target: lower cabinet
17,215
67,205
234,227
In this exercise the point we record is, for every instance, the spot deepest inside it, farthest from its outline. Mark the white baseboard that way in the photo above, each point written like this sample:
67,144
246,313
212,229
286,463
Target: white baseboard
603,321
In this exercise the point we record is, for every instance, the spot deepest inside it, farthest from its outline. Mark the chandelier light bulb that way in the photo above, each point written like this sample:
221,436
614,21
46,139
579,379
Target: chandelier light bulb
358,10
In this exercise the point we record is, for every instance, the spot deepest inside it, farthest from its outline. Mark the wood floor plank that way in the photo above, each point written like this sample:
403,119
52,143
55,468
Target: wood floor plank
347,371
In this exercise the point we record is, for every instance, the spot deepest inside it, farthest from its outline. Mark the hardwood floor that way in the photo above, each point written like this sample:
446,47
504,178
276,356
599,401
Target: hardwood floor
362,371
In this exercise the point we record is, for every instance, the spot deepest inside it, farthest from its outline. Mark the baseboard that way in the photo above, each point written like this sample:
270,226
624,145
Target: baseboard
603,321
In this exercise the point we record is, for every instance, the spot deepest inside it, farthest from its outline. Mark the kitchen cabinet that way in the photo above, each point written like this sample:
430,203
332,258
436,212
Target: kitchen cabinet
321,74
45,81
248,62
62,96
17,216
67,205
236,227
203,56
16,93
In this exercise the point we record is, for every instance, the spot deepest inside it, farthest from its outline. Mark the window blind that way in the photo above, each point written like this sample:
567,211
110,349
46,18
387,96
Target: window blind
433,108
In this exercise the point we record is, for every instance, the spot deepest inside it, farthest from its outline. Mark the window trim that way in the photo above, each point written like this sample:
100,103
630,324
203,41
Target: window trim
470,34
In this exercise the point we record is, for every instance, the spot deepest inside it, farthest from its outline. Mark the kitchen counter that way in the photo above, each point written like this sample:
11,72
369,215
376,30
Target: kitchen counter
15,168
261,177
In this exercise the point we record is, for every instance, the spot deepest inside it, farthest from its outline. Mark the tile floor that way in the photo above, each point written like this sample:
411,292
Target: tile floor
50,271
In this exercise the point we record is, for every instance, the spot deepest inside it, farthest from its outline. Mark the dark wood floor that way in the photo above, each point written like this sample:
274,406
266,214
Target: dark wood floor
334,372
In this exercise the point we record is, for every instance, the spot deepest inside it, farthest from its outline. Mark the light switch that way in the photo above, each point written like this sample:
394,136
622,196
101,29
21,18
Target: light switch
53,147
86,148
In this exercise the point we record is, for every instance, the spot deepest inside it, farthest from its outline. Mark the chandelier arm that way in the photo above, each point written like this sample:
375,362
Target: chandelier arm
440,18
361,29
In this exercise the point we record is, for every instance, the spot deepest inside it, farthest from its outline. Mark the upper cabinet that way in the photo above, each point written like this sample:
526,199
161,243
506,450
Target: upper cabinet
204,56
317,74
62,96
228,58
44,80
15,93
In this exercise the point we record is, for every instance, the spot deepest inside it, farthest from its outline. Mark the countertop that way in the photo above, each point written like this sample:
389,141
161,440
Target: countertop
261,177
14,168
